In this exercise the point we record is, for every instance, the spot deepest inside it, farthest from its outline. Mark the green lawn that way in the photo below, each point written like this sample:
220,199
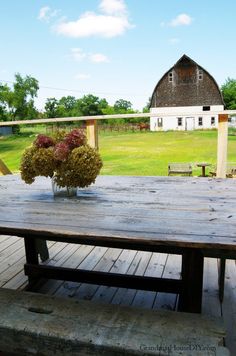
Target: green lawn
135,153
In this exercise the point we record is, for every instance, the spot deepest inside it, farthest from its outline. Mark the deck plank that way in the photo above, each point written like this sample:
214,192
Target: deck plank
172,270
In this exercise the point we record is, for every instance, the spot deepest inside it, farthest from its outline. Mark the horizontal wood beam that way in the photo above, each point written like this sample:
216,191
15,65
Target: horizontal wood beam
117,116
104,278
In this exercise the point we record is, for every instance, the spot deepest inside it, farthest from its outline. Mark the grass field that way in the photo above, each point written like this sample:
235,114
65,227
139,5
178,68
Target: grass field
135,153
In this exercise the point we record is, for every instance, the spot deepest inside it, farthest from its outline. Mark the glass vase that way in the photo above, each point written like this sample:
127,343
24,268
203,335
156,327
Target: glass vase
59,191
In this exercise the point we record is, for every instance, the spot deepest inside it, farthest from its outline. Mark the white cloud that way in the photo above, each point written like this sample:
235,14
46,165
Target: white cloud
77,54
98,58
181,20
82,76
113,21
113,7
174,40
46,14
43,12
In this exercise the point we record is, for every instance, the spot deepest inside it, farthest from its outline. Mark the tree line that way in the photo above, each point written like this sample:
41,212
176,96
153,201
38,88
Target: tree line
17,102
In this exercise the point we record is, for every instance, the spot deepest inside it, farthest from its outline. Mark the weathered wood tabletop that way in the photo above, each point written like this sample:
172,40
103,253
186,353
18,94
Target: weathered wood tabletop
178,211
194,217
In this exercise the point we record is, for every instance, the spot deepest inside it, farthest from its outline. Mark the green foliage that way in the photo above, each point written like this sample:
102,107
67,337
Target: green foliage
16,129
122,106
51,107
147,106
17,103
229,93
90,105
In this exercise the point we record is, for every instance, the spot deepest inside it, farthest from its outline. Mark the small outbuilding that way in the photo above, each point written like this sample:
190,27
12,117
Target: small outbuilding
187,88
5,130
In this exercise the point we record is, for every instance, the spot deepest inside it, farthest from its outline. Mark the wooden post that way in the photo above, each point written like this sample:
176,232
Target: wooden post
92,133
4,169
222,146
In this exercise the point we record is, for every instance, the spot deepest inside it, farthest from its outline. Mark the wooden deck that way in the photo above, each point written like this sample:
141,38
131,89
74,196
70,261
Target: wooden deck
12,259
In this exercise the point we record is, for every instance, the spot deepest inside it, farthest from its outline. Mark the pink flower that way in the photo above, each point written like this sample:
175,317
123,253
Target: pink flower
61,151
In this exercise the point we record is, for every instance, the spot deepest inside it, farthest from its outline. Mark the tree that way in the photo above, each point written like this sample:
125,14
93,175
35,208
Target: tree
90,105
51,107
24,91
68,105
17,103
122,106
4,92
147,106
229,93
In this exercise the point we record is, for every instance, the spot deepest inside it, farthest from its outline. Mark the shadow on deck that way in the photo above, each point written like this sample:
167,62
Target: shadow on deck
12,261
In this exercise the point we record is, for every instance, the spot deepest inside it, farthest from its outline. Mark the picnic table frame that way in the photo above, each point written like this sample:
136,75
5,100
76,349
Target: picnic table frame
109,226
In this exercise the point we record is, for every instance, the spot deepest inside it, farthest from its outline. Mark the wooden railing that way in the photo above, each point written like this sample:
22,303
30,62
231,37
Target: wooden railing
92,128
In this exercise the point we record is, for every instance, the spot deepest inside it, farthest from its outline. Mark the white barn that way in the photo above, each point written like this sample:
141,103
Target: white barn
186,88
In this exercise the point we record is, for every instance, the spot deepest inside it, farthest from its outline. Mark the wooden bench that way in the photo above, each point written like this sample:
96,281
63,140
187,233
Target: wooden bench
35,324
230,170
180,168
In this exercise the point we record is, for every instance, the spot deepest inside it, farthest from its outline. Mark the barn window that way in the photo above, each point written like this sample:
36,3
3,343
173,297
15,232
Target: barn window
159,122
200,121
180,121
200,74
170,77
213,120
206,108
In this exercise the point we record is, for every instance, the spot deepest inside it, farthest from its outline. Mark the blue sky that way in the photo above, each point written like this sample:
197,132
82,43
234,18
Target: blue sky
113,48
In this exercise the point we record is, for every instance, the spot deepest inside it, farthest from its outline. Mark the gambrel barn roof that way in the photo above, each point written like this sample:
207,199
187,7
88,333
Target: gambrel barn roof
186,84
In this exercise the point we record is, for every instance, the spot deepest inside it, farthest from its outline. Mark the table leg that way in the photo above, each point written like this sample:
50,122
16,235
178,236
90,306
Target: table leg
42,249
221,278
190,300
204,171
31,253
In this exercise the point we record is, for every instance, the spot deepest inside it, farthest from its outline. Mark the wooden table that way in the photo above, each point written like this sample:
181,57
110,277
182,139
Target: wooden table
193,217
203,165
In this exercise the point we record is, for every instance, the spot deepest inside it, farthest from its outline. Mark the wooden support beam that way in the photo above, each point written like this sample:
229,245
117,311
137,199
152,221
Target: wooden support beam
4,169
222,146
92,133
104,278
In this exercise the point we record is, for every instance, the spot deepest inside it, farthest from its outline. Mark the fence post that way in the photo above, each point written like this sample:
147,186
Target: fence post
92,133
222,145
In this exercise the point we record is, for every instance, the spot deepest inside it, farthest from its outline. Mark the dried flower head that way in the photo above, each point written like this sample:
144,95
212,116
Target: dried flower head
61,151
81,169
28,173
43,141
43,162
75,138
67,157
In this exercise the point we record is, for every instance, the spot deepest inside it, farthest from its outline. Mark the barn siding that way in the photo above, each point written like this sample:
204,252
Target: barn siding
186,88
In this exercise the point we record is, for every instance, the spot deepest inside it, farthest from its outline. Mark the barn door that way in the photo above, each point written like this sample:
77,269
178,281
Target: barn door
189,123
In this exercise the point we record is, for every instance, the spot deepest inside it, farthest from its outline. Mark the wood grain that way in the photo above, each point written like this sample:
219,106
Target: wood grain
143,211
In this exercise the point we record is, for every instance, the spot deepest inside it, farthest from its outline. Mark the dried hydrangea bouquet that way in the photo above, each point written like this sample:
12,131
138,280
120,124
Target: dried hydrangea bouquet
65,157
